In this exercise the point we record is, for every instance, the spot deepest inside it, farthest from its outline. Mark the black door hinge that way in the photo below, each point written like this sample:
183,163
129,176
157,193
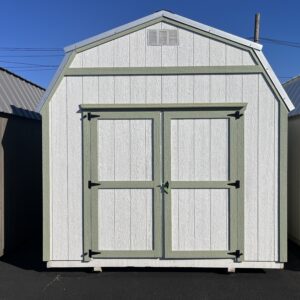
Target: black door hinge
91,184
237,254
90,116
236,184
91,253
237,115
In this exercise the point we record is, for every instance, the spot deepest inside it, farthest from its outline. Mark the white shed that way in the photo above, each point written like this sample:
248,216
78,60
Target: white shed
164,145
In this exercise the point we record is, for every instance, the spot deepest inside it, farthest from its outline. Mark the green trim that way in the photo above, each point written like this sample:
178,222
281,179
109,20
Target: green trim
236,156
283,142
86,138
155,184
241,191
164,70
180,106
58,80
268,79
46,186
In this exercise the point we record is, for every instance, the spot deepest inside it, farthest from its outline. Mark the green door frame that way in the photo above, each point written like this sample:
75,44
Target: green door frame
91,192
91,113
236,152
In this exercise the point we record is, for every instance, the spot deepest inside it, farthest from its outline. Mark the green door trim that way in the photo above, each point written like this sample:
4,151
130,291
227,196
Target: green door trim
91,194
235,194
92,113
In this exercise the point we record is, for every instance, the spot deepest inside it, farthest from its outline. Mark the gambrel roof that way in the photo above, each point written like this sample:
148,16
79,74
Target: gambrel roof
165,16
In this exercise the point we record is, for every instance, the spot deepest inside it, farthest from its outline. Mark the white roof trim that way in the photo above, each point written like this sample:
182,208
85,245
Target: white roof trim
275,80
255,46
169,15
53,81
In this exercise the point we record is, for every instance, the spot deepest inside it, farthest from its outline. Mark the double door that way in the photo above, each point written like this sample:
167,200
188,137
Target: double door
163,183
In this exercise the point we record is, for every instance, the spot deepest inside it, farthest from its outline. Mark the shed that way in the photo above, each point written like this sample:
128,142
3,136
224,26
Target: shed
164,145
20,161
292,88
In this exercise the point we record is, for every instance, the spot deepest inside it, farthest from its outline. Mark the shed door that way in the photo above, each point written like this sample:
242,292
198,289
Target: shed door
125,184
201,161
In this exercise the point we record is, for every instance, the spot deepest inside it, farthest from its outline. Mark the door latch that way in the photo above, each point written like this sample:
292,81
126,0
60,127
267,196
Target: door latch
165,186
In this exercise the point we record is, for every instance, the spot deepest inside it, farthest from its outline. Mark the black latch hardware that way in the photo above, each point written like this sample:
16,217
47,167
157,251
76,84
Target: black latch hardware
91,253
90,116
236,184
91,184
237,114
237,254
164,186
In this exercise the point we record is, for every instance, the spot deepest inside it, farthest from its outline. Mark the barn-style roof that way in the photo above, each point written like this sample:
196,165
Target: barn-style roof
19,96
164,16
292,87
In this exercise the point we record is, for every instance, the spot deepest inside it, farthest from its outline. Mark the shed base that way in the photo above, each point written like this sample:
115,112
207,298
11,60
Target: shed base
220,263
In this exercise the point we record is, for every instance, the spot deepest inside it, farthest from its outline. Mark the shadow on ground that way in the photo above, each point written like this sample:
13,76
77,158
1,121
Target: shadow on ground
29,257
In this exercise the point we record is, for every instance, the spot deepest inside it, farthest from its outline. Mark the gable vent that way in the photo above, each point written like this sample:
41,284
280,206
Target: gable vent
162,37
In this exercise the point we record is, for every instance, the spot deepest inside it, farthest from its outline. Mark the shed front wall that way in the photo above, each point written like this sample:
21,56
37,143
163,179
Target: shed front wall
261,130
261,148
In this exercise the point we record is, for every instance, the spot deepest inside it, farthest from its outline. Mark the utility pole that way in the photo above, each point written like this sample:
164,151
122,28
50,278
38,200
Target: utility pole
256,27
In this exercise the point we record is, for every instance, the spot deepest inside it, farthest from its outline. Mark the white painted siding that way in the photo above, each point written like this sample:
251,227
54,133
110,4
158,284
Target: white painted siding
261,145
125,221
199,150
124,150
199,219
132,50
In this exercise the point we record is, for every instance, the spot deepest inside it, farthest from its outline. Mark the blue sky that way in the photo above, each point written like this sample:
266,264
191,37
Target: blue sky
54,24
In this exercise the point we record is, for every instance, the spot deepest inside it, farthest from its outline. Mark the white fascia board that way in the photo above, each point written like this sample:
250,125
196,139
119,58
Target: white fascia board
169,15
112,32
53,82
275,80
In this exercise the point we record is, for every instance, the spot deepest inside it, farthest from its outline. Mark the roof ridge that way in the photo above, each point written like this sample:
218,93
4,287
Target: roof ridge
22,78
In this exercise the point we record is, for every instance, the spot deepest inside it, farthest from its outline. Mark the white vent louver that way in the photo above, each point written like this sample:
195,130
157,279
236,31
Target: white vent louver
162,37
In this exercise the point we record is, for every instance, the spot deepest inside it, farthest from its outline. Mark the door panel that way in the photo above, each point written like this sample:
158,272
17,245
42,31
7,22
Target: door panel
201,168
125,164
125,219
199,149
125,150
199,219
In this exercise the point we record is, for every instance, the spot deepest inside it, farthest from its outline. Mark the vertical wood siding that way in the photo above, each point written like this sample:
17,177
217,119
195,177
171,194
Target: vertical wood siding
132,51
261,135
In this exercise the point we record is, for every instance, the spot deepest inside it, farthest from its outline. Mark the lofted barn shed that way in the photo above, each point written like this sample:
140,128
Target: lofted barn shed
164,145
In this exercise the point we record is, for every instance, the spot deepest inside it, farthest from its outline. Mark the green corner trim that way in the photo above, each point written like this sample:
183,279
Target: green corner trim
184,70
46,186
283,142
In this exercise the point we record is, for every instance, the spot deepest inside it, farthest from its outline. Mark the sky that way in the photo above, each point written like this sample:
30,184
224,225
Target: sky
33,33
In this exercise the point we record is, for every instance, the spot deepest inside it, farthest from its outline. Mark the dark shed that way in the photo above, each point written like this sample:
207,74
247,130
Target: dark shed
20,161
